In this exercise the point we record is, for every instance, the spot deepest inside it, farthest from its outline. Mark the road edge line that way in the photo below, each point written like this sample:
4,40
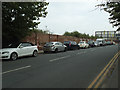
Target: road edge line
94,81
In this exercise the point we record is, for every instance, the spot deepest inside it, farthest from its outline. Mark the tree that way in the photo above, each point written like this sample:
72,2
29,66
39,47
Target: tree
40,31
79,35
114,9
19,18
67,34
75,34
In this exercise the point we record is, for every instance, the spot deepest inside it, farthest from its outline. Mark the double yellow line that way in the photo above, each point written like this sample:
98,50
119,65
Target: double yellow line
97,81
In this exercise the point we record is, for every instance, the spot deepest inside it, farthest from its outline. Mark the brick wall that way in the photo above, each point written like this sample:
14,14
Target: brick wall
41,39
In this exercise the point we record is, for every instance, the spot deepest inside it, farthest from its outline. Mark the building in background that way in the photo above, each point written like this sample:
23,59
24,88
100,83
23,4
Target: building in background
107,35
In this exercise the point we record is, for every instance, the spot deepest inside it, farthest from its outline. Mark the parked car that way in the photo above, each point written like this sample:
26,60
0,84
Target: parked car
101,41
71,45
83,44
105,43
54,47
15,50
109,43
114,43
91,43
97,44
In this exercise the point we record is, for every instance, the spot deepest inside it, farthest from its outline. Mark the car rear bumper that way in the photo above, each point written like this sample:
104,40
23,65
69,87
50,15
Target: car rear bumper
82,46
48,49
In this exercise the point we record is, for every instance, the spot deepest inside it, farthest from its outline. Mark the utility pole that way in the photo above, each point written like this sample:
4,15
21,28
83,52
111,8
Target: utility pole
49,36
35,36
48,33
57,38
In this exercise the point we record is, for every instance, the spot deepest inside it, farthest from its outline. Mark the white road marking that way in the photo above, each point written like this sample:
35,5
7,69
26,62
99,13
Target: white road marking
15,69
80,53
93,50
59,58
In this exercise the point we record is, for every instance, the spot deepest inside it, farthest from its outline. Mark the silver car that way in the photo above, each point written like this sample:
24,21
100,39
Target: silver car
54,47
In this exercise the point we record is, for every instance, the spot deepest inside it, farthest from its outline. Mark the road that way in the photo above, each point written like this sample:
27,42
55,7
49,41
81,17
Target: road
71,69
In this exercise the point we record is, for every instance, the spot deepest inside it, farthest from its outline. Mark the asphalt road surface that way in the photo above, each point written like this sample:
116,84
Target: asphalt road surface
71,69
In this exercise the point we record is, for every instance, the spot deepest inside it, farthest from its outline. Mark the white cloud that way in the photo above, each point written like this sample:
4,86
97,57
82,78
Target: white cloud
81,16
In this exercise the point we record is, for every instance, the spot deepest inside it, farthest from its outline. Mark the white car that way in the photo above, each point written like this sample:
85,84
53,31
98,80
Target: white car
13,51
101,41
83,44
97,44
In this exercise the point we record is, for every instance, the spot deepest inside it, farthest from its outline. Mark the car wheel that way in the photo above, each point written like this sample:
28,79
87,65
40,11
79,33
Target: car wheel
65,49
45,51
56,50
35,53
14,56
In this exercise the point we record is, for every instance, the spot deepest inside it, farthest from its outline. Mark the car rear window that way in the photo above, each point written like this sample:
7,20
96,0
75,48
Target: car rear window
49,44
81,42
66,42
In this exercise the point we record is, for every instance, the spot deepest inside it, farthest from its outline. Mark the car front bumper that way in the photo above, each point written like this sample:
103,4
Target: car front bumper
4,56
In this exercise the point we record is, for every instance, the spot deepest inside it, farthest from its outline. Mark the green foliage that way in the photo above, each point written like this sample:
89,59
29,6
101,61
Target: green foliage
75,34
79,35
114,9
67,34
40,31
18,18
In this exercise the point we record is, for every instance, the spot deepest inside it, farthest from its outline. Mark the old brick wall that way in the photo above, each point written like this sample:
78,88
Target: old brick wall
41,39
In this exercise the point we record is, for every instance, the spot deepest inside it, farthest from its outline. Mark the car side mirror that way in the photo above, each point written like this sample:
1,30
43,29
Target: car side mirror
21,47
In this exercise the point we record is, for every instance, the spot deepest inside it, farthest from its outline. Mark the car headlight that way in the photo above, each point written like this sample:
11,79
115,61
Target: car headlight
5,52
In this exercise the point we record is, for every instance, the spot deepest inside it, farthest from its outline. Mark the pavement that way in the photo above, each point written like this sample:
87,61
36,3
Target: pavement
70,69
40,52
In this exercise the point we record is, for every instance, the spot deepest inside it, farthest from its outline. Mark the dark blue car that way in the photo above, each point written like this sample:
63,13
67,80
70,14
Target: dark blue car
71,45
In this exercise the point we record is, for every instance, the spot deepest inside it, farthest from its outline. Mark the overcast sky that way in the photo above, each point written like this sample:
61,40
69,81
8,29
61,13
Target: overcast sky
75,15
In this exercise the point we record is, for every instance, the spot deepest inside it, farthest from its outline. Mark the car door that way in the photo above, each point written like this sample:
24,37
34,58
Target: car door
75,45
71,45
57,46
85,44
61,46
29,48
22,50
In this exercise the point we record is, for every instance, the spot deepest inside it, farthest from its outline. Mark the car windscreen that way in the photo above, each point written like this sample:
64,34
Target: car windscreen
89,42
96,41
99,41
108,42
81,42
49,44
